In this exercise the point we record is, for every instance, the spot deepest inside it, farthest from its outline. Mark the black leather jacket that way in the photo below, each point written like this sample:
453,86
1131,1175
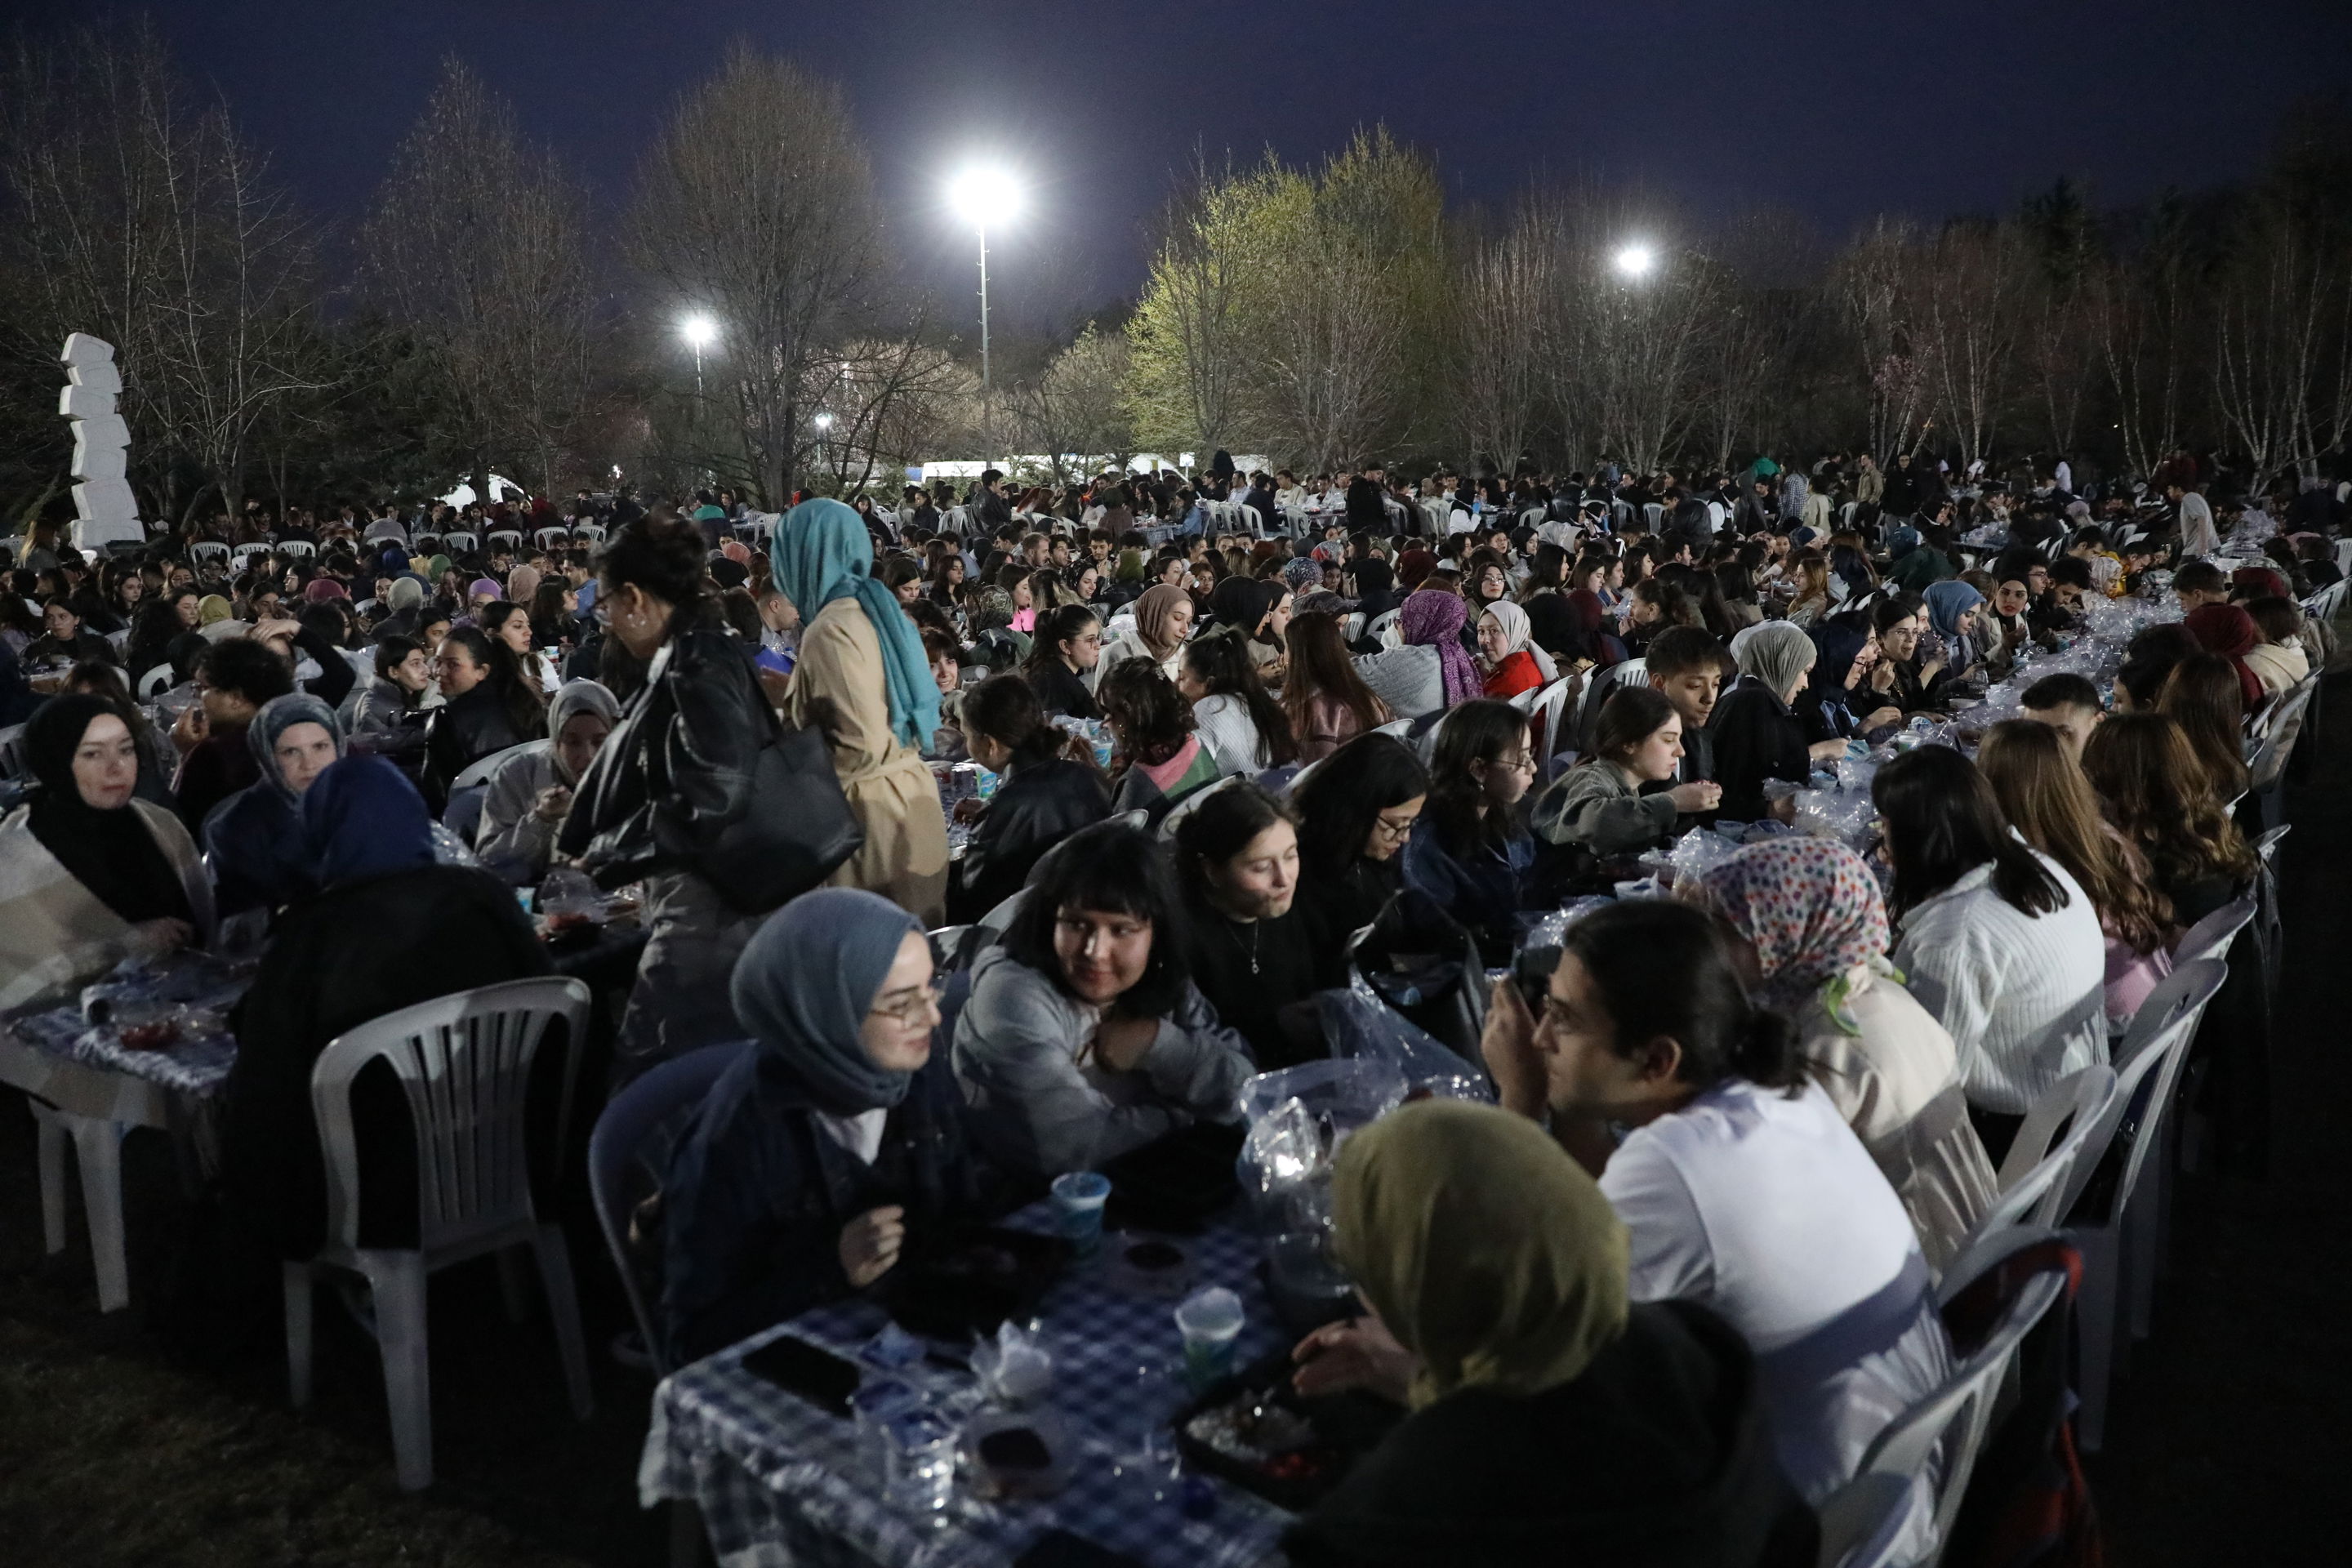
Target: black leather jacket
678,769
461,732
1040,804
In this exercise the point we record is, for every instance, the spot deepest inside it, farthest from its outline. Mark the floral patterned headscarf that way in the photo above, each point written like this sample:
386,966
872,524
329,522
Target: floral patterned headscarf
1813,911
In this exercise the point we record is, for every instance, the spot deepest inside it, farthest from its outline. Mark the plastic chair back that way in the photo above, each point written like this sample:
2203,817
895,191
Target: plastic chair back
1950,1423
594,532
156,681
1381,625
460,540
1545,717
549,538
2211,937
297,547
2033,1178
464,1063
510,537
2153,1053
208,547
480,770
619,1141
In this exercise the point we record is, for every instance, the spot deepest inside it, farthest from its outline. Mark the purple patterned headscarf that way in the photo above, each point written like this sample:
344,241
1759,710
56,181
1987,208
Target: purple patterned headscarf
1430,618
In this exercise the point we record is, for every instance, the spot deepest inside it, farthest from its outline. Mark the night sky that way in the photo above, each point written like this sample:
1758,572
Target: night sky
1836,110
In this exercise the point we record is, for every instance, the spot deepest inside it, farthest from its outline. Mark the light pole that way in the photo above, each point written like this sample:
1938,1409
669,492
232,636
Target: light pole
980,194
1633,262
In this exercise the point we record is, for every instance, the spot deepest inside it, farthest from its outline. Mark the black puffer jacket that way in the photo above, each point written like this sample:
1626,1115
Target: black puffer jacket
678,770
461,732
1043,800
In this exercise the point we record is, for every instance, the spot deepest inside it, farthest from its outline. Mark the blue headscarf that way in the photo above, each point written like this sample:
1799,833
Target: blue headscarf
1900,540
276,717
821,553
1947,602
360,818
804,984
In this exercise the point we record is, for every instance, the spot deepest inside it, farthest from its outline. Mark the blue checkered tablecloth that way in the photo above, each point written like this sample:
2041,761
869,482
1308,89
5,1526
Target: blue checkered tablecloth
196,1064
780,1481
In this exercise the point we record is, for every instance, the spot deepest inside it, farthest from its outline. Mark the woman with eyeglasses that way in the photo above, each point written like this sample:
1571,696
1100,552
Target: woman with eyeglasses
833,1143
1355,814
1085,1036
1062,659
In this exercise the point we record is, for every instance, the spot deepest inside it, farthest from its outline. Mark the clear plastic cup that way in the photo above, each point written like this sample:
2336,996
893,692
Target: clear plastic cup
919,1472
1210,1320
1078,1199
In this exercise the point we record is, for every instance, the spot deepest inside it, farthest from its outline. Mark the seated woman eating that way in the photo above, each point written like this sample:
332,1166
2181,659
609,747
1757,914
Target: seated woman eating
830,1142
531,794
1553,1420
1757,734
254,837
90,875
1598,803
1743,1189
1085,1036
1042,797
1251,951
1811,938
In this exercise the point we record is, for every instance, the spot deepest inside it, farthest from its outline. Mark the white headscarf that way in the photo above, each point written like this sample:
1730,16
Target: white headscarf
1518,634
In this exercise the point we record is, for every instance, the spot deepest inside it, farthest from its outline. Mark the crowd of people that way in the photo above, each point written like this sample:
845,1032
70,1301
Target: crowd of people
1737,1131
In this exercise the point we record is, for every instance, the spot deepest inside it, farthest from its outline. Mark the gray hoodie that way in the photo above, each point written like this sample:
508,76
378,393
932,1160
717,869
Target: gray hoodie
1594,804
1040,1102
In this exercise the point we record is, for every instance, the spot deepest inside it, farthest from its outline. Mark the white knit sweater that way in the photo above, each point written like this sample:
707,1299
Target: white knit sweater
2023,997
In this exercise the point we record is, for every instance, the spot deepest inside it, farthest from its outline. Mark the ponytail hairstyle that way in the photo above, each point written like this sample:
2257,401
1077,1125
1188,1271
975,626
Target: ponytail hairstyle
1944,821
513,694
1631,715
665,556
1054,627
1005,709
1220,661
1663,969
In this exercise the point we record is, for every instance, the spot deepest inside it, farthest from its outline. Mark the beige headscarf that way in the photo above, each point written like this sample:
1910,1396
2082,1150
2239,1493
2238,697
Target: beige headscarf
1482,1247
1154,611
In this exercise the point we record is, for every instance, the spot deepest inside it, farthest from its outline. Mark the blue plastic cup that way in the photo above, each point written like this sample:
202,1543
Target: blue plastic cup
1079,1198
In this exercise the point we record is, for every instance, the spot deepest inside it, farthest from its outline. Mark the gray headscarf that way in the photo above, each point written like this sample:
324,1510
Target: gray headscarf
276,717
1777,653
573,698
804,984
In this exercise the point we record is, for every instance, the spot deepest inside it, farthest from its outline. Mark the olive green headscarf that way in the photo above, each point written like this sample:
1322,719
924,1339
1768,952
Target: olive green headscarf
1482,1246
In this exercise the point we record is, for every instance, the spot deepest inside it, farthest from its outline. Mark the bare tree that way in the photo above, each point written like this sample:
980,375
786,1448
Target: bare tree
478,244
1969,280
1507,288
2143,308
1188,333
756,205
141,216
1073,407
1876,289
2278,324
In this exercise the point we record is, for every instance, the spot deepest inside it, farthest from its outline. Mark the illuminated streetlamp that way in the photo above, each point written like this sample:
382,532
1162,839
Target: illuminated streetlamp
699,332
1634,262
978,195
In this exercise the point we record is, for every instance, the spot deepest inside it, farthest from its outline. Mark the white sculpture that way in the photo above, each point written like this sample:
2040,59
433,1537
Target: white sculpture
105,510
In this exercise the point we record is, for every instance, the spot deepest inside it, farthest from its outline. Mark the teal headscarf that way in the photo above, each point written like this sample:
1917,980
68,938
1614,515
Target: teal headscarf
821,553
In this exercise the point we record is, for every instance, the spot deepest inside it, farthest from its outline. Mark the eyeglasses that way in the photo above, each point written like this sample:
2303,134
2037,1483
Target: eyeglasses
1394,832
913,1005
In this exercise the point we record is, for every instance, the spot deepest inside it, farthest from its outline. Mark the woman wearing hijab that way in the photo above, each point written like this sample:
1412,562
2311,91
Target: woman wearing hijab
254,837
2229,632
1163,620
1506,652
1434,620
859,653
834,1140
90,875
531,790
1815,937
1756,732
390,928
1551,1418
1954,610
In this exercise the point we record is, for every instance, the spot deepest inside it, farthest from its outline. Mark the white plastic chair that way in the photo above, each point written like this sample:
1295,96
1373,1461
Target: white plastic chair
464,1063
1865,1522
459,540
2166,1021
1381,625
204,547
155,682
2035,1178
480,770
244,553
552,538
511,536
297,547
2211,937
1550,710
594,532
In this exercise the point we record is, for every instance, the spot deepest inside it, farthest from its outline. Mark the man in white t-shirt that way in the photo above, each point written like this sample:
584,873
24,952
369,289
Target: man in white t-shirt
1752,1198
2197,534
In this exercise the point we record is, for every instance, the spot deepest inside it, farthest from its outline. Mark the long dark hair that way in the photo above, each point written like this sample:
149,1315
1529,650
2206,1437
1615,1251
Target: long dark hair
1221,661
1319,666
1116,869
1340,800
1631,715
1664,968
1475,732
2202,695
665,556
1146,711
508,688
1005,709
1055,627
1944,821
